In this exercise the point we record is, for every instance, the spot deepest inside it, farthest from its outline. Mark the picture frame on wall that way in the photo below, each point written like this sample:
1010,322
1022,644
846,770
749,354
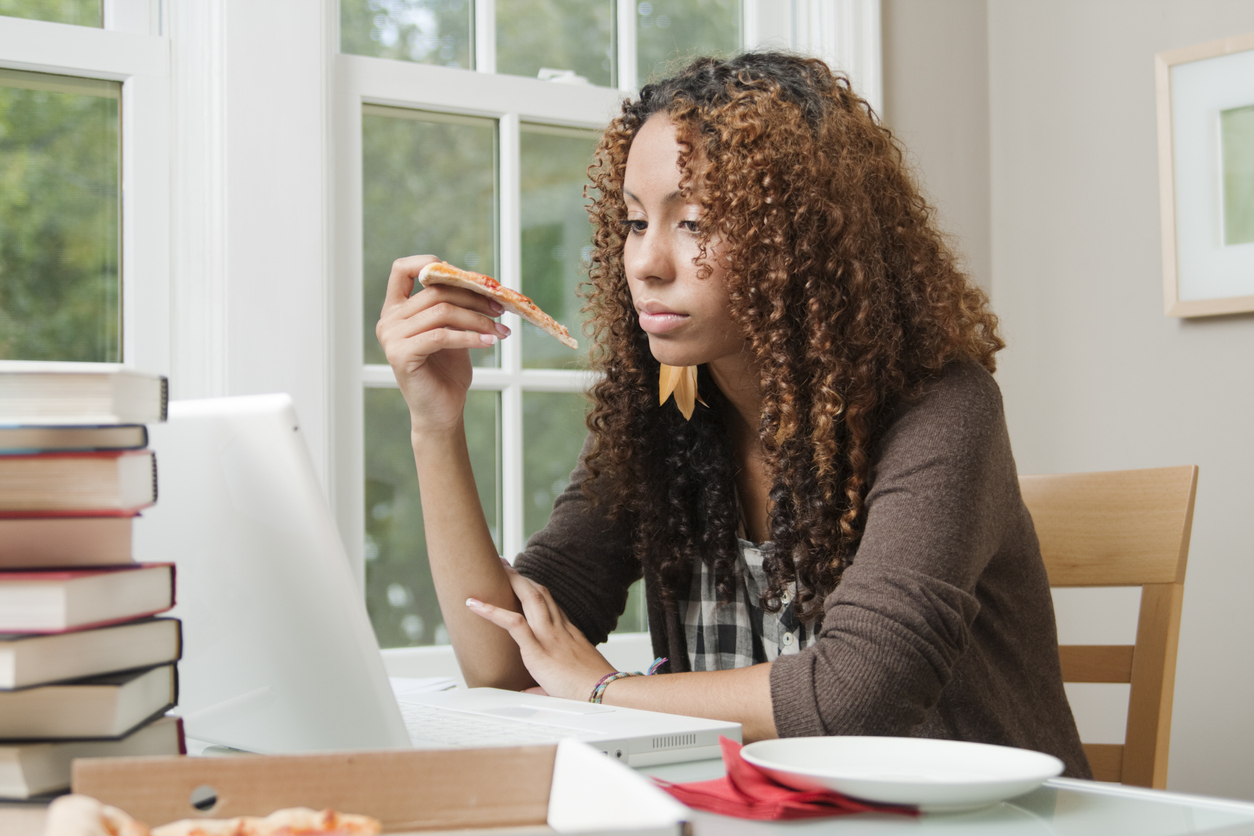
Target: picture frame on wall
1206,176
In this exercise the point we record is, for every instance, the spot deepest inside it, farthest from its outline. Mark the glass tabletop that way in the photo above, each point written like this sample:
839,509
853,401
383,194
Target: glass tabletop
1062,806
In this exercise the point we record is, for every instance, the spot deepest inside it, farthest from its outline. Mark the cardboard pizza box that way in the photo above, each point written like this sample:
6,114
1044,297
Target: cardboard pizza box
567,788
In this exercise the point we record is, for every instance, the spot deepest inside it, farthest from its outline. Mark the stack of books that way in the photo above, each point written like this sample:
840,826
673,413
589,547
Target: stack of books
87,664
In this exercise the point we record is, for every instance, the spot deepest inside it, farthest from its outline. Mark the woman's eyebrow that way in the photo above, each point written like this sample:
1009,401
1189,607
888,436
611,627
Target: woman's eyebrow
673,197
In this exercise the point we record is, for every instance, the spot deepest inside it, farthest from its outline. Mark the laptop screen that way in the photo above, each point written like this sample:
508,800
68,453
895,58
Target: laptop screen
279,655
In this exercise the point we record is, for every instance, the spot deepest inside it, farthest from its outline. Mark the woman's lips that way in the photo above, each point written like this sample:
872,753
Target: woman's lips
659,322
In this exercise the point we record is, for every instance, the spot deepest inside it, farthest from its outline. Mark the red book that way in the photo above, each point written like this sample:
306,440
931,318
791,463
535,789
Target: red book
104,482
53,601
48,542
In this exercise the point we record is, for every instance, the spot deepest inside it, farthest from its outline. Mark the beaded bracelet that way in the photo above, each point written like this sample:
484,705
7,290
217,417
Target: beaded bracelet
598,690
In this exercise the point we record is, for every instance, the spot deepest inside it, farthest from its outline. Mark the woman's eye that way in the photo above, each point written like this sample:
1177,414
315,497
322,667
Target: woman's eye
636,226
690,226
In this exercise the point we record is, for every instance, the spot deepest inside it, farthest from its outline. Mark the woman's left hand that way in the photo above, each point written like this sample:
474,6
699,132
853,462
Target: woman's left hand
560,659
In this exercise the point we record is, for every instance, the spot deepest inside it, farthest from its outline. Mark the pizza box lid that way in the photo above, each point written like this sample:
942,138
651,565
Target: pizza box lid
567,788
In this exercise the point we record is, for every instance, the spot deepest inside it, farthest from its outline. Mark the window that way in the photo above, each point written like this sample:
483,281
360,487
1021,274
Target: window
670,30
77,12
587,39
84,158
59,218
436,32
486,169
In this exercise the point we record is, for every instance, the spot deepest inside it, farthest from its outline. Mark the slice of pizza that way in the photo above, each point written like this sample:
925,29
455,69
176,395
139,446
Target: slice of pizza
294,821
81,815
441,272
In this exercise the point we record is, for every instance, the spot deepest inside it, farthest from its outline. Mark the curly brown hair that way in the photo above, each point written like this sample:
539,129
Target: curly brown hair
847,294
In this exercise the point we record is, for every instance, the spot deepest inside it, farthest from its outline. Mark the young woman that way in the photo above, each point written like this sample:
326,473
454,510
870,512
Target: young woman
834,541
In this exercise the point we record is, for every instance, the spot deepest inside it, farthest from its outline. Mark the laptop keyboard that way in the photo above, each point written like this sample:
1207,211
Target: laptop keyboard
457,728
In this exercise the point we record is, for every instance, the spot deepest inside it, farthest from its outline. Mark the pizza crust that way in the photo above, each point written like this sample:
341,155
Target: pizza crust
294,821
82,815
441,272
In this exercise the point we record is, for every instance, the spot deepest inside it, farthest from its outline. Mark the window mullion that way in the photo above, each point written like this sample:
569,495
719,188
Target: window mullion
625,43
145,182
510,229
485,36
509,233
349,377
510,249
143,17
750,35
512,469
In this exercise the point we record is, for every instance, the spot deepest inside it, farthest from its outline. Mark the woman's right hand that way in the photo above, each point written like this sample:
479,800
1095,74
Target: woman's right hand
426,338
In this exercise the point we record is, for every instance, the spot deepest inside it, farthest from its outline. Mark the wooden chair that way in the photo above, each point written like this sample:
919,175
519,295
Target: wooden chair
1123,528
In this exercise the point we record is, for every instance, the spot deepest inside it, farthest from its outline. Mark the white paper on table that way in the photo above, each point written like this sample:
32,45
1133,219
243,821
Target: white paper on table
593,793
402,685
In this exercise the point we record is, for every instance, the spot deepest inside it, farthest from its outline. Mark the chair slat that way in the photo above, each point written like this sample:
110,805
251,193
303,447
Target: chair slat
1120,528
1106,760
1096,662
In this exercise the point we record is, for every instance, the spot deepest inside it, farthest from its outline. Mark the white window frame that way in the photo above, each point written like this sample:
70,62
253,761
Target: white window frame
131,49
510,101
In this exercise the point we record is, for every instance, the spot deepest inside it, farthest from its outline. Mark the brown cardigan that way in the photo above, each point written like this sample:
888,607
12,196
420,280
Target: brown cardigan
942,626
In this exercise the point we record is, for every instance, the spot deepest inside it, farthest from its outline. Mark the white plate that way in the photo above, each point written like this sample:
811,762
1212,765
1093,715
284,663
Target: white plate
934,775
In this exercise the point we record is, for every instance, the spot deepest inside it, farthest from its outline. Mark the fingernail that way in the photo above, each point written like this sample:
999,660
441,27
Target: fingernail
497,307
502,330
487,339
474,603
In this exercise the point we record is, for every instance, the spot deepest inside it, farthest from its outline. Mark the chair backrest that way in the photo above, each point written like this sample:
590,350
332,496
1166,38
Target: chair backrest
1123,528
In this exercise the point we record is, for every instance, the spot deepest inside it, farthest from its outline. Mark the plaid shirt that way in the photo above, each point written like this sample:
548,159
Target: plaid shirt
740,633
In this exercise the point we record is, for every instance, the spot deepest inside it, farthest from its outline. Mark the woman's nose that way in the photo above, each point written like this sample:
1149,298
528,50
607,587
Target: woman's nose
649,257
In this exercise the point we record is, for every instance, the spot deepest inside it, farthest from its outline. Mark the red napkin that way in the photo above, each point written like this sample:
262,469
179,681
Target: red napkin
747,792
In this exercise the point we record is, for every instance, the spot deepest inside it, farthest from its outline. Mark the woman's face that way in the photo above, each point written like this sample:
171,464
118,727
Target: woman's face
687,319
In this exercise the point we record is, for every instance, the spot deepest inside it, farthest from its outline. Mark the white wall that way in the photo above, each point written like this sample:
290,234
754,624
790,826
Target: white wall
1095,377
936,102
251,221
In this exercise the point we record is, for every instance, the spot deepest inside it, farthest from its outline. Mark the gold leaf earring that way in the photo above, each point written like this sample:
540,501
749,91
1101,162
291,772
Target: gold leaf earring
682,382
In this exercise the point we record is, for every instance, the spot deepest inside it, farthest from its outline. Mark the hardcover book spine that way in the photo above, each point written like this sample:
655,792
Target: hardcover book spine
64,539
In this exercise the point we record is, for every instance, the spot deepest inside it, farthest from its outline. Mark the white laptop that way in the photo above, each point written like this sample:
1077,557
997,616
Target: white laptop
279,655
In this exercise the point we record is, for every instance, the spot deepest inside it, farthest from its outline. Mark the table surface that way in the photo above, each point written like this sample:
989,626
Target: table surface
1061,806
